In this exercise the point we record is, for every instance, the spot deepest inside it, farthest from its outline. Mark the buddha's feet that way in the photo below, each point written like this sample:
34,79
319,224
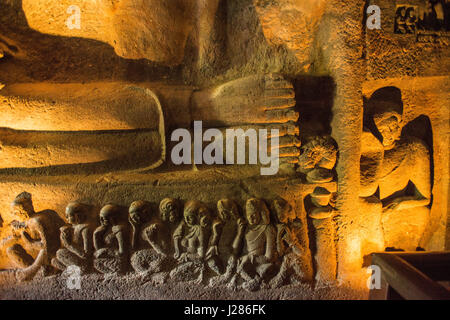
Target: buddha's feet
258,102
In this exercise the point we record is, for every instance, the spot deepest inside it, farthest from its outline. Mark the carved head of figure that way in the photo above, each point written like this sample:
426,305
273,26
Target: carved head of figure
227,209
139,212
318,158
385,109
411,14
283,211
204,216
76,213
22,206
168,210
109,215
389,126
190,213
256,212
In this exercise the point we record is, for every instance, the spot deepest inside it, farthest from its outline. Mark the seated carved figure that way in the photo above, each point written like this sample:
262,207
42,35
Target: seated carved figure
293,268
110,242
400,20
410,21
400,173
190,242
31,238
224,245
75,239
151,239
258,263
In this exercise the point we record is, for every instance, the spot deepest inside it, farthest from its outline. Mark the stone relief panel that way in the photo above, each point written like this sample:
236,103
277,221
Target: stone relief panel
254,247
427,16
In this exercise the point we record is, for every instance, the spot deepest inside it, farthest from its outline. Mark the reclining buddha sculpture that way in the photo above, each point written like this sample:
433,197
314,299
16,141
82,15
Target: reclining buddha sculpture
106,121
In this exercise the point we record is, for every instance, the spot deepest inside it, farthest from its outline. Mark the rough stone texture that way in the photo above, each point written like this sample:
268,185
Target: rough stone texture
96,287
113,22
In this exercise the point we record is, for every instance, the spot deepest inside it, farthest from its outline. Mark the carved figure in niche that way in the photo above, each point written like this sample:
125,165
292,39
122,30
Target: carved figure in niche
400,20
411,20
289,248
110,242
190,242
318,158
76,239
320,207
154,233
433,16
401,172
225,243
258,262
32,238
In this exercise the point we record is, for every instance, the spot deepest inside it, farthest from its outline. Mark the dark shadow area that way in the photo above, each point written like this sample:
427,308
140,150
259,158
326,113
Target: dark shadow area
34,56
421,128
314,97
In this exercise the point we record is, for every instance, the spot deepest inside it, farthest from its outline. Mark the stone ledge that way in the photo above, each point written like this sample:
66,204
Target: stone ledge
95,287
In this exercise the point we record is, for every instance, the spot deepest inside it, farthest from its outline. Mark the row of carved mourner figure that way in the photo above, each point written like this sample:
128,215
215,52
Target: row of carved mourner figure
227,248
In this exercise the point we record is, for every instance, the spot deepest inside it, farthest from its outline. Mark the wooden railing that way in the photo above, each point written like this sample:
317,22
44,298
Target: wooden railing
412,275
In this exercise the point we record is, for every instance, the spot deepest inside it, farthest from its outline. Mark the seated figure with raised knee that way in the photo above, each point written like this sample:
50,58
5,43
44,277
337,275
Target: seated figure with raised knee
225,241
190,242
151,237
31,238
293,267
76,239
258,262
110,242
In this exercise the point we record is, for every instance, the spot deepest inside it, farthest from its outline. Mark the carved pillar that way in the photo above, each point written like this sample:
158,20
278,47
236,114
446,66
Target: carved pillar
340,40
